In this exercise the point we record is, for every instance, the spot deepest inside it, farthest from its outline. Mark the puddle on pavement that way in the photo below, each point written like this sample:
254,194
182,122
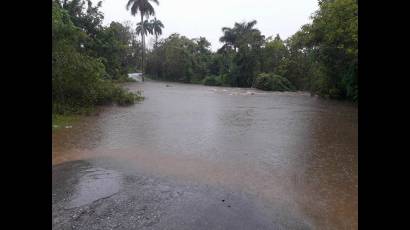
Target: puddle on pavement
94,184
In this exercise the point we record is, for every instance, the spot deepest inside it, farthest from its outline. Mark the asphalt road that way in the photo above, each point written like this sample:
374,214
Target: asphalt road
85,197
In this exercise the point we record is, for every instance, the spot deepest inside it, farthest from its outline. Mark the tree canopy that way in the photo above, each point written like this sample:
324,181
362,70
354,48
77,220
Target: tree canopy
321,57
87,58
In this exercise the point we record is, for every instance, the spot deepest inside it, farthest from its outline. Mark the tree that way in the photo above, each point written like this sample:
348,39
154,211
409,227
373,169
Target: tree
203,55
116,46
273,54
331,41
144,28
178,58
89,17
157,28
229,38
245,41
321,57
144,8
78,70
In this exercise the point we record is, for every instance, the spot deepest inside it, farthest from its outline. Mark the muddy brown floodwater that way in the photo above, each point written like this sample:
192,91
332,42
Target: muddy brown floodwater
288,159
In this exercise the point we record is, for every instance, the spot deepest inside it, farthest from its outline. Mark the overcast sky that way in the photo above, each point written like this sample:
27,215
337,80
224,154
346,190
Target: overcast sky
194,18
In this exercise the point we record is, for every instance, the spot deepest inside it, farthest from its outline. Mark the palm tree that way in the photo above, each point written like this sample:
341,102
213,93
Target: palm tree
245,26
144,8
229,37
242,34
144,28
157,28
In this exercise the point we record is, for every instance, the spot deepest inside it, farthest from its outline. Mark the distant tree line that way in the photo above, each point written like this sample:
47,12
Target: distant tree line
89,59
321,57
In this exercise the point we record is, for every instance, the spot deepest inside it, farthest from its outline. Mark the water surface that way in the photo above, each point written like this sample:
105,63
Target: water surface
293,152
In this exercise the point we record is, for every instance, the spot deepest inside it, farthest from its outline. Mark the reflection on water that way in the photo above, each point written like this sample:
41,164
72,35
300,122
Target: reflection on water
286,148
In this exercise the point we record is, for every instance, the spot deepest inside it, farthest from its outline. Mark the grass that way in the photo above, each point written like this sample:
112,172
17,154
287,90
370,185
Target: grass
61,121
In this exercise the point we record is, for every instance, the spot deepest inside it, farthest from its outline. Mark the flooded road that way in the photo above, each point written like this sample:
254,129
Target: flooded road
197,157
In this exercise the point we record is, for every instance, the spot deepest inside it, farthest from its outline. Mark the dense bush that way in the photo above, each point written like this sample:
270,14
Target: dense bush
109,93
126,98
75,78
212,81
80,80
280,83
272,82
263,81
224,79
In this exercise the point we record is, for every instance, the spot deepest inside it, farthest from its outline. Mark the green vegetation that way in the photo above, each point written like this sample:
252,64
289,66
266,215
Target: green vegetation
178,58
212,81
156,28
321,57
272,82
89,59
60,121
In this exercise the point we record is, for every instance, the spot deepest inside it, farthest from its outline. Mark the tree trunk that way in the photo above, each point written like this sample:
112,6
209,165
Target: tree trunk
143,46
156,40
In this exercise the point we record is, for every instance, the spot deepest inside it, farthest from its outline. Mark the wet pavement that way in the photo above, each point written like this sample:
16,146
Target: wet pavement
196,157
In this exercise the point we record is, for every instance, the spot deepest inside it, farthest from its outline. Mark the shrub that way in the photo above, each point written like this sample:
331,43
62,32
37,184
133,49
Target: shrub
280,83
263,81
272,82
80,80
196,80
124,97
75,78
212,81
110,93
225,80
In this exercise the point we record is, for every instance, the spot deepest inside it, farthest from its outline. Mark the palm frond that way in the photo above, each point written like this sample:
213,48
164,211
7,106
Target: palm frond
134,9
251,24
143,6
155,1
129,3
147,9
